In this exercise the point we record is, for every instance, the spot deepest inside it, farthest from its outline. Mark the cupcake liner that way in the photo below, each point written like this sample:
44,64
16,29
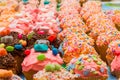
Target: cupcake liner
29,75
19,60
93,78
102,52
116,73
118,27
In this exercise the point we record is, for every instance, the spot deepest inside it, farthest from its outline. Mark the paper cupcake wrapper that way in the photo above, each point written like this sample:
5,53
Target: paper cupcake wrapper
118,27
94,78
102,51
29,75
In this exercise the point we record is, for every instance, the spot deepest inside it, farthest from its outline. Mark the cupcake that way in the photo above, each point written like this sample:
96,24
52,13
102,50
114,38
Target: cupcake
8,75
38,57
113,55
7,61
54,72
116,19
15,44
74,50
43,35
104,40
8,9
88,67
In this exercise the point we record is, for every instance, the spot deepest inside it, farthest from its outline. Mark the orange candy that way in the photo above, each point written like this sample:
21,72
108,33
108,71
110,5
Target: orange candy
3,52
4,32
23,42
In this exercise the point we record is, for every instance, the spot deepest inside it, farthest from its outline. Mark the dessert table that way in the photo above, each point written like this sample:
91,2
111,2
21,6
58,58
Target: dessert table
106,6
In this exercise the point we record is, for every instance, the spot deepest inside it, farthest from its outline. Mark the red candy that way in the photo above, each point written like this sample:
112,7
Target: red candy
117,51
27,52
51,38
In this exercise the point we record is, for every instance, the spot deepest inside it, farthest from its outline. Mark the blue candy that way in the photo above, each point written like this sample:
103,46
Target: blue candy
46,2
55,51
41,47
25,1
102,70
86,72
18,46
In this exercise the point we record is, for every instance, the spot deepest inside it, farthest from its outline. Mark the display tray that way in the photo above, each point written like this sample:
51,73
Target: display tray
105,6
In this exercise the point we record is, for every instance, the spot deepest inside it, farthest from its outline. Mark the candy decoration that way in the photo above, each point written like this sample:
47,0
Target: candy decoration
46,2
41,57
7,39
57,67
42,42
51,38
99,63
10,48
78,62
3,52
102,70
50,67
55,51
2,45
41,32
30,35
23,42
41,47
18,47
117,51
27,52
81,67
20,36
86,72
25,1
4,32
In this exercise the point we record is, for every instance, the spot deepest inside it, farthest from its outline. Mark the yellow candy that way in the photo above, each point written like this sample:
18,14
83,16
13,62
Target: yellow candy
23,42
2,45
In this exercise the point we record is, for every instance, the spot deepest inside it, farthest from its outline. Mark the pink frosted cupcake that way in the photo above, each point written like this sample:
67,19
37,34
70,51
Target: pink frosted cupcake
104,40
37,59
88,67
113,56
54,72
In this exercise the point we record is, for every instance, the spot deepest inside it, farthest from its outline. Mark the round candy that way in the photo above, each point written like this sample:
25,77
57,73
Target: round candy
54,51
51,38
18,46
20,36
23,42
41,47
27,52
10,48
50,67
46,2
57,67
41,32
3,52
2,45
41,57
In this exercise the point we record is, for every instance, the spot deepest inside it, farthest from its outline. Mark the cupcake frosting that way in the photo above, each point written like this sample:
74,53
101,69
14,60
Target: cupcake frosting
32,63
113,55
87,66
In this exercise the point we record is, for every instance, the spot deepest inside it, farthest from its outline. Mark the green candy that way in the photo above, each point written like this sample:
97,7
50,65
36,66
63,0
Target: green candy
78,62
94,58
58,9
2,45
30,35
50,68
41,57
10,48
99,62
57,67
95,72
81,67
89,60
